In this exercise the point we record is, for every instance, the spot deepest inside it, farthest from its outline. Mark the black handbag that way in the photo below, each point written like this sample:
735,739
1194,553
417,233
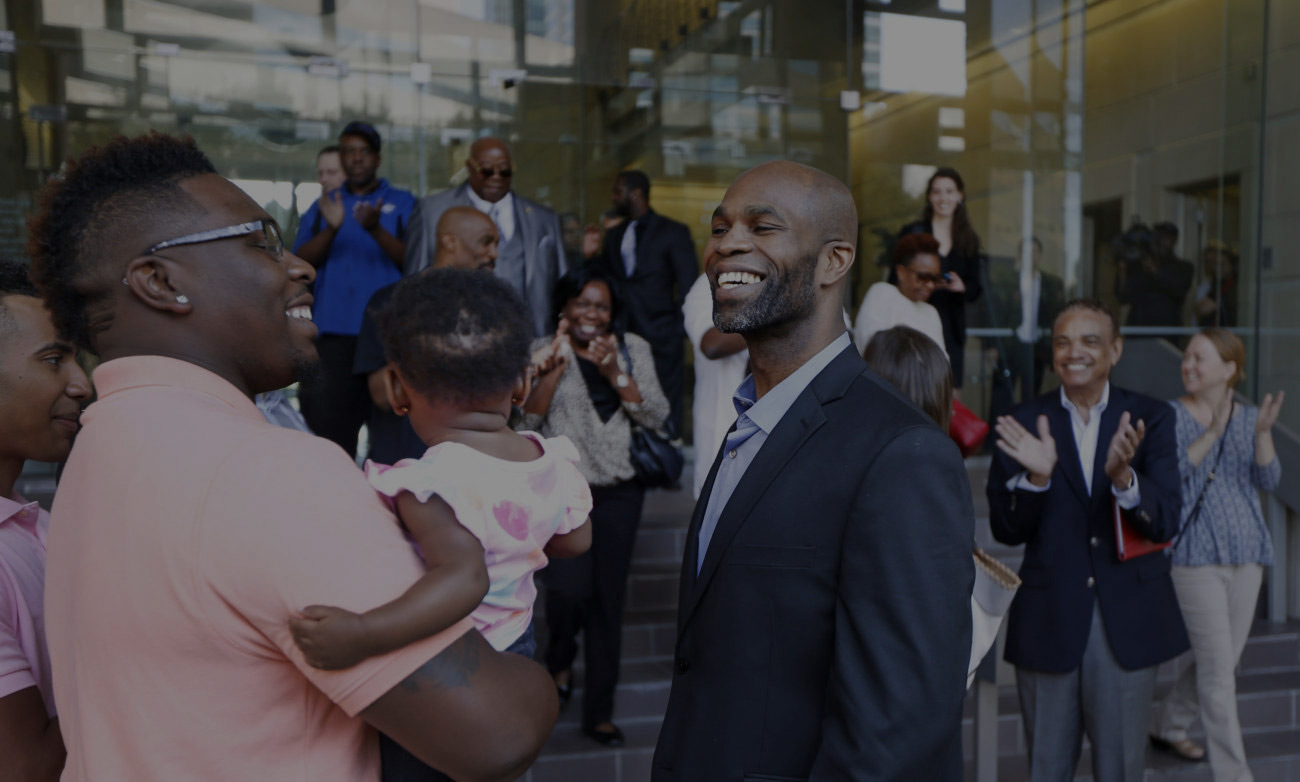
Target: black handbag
655,456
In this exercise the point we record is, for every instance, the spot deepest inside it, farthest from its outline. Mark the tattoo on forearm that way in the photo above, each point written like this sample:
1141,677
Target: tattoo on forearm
450,668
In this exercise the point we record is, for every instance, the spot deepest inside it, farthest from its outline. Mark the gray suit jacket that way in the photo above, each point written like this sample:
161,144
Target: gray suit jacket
544,260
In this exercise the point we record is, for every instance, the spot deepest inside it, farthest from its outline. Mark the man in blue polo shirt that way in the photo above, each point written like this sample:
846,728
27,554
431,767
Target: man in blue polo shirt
355,237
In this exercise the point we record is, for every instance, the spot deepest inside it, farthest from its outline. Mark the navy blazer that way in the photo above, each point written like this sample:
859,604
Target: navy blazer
827,634
1071,562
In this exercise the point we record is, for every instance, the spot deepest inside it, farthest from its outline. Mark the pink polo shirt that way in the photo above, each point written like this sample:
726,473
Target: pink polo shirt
24,656
186,531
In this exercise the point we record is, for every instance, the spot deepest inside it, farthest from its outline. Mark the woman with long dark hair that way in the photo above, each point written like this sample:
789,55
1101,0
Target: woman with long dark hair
594,383
960,256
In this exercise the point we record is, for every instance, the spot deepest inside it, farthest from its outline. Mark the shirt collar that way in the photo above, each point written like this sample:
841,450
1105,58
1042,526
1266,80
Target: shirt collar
380,189
123,374
768,411
20,511
484,205
1096,409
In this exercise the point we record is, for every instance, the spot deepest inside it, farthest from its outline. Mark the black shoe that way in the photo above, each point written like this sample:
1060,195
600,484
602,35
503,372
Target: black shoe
609,738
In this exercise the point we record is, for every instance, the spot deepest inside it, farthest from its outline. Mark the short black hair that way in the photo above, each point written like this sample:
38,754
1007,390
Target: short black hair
1091,305
457,335
14,281
101,200
570,287
364,131
635,180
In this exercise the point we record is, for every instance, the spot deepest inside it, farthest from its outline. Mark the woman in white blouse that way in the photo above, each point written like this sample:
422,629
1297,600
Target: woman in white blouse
917,265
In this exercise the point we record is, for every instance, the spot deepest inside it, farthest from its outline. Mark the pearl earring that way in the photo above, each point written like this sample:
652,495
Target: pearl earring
182,299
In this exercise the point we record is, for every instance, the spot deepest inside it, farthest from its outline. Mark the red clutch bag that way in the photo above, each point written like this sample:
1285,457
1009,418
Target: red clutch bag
967,429
1128,543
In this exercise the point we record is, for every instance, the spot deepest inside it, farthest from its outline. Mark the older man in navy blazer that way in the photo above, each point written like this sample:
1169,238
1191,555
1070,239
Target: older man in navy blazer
1086,629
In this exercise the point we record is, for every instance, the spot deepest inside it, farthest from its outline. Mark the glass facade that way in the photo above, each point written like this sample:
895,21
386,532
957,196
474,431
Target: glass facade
1070,120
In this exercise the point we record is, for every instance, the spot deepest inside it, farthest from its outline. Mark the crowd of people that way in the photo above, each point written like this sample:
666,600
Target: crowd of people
218,592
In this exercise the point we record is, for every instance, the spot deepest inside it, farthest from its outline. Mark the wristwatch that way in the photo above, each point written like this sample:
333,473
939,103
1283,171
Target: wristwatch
622,380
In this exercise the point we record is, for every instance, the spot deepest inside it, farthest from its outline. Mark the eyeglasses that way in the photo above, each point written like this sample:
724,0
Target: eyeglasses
926,277
505,172
270,231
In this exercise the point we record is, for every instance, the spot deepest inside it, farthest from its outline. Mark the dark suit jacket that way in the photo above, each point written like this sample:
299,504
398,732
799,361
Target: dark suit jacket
539,227
827,634
665,270
1070,560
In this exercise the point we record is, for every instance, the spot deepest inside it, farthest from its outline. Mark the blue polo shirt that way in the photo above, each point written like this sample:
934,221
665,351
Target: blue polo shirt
356,266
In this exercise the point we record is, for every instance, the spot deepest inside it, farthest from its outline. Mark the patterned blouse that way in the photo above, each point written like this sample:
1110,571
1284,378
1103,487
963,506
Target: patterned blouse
605,445
1230,529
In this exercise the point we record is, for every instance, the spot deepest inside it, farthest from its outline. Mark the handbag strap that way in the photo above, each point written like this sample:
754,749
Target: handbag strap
1200,498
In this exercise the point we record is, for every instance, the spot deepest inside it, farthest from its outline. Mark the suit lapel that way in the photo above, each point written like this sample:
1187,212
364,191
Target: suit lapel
803,418
692,555
651,220
1067,450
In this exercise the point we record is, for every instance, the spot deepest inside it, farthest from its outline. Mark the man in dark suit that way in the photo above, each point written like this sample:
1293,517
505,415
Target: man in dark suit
1028,304
653,258
824,618
531,250
1086,630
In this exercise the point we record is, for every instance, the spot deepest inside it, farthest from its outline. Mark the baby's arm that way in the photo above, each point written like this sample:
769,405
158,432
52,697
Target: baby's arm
455,583
571,543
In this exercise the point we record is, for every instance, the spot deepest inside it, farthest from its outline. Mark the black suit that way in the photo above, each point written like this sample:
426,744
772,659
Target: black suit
665,270
1070,562
827,633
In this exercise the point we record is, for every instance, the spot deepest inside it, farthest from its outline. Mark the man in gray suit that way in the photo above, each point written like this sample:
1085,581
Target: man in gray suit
531,253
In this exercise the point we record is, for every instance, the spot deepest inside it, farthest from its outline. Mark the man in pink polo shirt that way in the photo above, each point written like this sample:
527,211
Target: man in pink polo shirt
187,530
41,393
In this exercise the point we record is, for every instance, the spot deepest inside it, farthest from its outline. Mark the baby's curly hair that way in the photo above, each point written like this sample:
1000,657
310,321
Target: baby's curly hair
456,335
95,212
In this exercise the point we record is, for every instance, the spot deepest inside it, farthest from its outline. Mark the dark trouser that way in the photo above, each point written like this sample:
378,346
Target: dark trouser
586,593
399,765
337,403
1016,361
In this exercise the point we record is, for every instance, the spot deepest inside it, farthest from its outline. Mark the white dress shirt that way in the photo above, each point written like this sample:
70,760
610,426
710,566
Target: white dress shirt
1086,434
502,212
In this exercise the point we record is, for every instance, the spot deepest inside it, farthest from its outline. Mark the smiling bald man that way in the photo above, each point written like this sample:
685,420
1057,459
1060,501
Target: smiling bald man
824,615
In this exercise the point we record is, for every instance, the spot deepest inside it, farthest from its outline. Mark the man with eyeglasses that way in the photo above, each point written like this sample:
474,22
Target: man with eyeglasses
530,255
355,237
187,531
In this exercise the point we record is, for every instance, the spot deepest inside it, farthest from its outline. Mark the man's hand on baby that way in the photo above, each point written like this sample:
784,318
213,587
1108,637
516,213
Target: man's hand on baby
330,638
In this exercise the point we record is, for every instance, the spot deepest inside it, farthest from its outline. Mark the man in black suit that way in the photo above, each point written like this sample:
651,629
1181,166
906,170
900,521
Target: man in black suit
653,258
1086,630
824,617
1028,304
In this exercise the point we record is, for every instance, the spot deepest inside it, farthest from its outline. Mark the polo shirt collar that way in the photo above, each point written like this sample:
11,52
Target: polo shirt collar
18,510
123,374
380,188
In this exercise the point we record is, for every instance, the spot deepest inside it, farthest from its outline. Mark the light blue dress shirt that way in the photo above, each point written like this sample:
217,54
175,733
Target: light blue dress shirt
757,419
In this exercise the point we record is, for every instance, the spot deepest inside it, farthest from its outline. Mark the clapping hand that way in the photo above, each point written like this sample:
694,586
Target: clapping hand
331,208
1036,454
367,214
603,352
1123,446
553,356
1269,409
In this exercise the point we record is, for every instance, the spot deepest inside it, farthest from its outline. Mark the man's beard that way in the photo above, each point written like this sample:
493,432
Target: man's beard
785,299
306,367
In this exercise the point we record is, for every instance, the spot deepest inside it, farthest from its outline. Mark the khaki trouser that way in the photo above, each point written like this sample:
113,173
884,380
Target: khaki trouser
1218,604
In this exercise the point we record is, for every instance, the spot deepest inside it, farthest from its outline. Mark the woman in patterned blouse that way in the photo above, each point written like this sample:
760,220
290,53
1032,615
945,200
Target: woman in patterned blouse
594,382
1225,449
